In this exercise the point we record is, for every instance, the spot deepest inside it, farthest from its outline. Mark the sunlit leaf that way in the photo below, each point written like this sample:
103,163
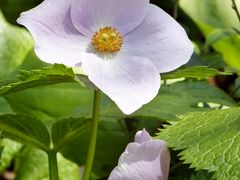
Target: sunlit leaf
209,140
33,164
10,150
216,13
15,44
218,35
212,16
35,78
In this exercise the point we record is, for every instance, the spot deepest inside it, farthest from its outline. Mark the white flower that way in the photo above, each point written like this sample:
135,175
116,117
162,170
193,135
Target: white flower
144,159
122,45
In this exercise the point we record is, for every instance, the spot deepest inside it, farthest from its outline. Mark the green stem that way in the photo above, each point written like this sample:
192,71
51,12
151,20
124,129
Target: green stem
53,167
93,136
235,8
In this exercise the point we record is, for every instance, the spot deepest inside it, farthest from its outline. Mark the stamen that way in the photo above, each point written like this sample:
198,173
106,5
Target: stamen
107,40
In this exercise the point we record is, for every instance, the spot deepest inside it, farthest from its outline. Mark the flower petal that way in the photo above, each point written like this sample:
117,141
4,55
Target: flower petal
142,136
90,15
57,40
129,81
161,39
145,161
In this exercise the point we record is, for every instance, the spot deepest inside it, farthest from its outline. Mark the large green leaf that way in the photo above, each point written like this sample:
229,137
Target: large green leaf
32,164
68,130
209,140
53,102
25,129
15,44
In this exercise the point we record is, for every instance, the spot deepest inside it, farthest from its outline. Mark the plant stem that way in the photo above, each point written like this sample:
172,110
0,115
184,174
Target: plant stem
234,6
93,136
175,13
53,167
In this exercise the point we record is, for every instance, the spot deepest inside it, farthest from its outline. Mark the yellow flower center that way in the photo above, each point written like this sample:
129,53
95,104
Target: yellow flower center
107,40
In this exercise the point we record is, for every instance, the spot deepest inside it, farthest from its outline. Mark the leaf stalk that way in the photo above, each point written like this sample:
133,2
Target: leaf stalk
93,136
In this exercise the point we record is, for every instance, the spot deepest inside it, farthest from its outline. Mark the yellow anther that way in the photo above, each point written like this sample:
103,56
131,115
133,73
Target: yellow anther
107,40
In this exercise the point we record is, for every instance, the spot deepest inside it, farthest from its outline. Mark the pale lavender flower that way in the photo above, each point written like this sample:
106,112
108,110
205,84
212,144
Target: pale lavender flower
121,45
144,159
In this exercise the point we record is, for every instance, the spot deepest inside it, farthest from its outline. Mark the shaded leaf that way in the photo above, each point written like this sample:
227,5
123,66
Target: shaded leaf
68,130
201,175
25,129
4,106
111,142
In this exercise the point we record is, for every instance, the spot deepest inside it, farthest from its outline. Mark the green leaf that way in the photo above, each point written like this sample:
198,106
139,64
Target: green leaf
15,44
59,101
198,72
10,150
33,164
68,130
209,140
25,129
35,78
